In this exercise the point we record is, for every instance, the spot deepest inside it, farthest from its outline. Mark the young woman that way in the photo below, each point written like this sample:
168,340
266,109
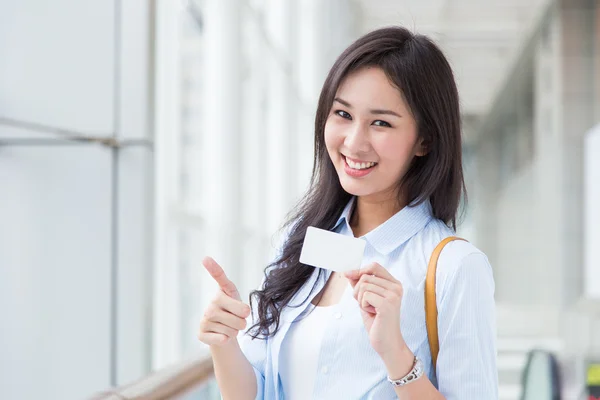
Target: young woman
387,169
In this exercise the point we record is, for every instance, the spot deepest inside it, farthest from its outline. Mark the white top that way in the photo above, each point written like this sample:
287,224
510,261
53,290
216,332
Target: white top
300,352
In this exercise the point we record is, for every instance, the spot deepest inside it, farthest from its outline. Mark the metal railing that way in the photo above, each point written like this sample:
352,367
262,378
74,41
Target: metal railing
166,384
175,381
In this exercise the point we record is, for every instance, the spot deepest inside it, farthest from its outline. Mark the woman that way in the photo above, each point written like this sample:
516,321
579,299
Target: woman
387,169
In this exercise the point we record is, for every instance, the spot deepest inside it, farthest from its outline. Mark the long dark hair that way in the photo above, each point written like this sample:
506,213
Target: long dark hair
417,67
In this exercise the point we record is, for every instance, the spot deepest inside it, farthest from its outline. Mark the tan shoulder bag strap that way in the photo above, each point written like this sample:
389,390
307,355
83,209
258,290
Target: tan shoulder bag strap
431,313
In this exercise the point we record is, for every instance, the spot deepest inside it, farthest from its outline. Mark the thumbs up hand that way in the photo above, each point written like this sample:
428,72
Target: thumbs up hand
226,315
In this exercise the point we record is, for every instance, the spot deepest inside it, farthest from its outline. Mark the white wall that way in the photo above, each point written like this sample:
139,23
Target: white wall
74,215
55,271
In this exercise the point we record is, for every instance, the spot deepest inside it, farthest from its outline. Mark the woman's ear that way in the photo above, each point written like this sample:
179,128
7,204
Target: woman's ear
422,147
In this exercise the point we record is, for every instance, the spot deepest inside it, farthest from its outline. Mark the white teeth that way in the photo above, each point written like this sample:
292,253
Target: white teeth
363,165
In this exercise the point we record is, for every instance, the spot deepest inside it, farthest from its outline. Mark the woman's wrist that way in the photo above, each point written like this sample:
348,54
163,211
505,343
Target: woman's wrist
399,362
232,346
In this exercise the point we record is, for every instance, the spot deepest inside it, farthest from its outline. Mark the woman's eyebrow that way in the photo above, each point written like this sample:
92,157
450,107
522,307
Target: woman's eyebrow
342,102
385,112
376,111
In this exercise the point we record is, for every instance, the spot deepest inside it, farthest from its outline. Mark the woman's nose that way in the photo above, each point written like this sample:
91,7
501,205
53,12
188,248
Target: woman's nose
357,139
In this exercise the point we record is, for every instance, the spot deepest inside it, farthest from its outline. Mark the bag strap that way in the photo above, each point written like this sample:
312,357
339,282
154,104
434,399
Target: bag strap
431,313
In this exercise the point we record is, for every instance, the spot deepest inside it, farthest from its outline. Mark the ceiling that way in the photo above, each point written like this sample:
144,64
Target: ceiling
481,38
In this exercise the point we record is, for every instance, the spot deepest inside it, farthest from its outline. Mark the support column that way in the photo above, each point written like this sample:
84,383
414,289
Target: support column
254,163
549,161
221,137
325,29
577,101
309,76
280,122
166,326
597,61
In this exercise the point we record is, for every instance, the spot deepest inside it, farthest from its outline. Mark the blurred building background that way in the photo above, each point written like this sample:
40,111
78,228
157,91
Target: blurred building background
138,136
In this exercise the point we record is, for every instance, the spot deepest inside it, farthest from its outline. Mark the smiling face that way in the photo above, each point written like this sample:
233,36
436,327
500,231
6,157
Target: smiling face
371,135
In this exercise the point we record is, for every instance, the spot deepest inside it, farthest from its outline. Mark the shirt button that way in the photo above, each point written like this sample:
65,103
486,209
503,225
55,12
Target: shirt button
337,315
325,370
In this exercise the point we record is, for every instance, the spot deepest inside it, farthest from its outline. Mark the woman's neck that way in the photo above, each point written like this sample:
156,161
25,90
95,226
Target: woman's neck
368,214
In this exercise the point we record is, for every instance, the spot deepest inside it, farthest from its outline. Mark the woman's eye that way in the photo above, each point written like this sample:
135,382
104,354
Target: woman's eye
382,123
343,114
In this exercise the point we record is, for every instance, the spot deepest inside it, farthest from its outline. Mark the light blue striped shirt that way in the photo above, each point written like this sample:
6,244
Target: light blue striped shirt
348,368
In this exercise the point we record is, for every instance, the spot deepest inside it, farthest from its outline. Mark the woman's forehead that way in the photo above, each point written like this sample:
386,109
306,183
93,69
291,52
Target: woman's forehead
370,87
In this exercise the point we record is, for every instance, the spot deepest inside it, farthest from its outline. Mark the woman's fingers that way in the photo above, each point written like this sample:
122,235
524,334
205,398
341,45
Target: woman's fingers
377,270
377,285
227,311
216,327
375,280
230,320
226,315
233,306
370,269
363,287
218,320
211,338
366,286
217,273
371,299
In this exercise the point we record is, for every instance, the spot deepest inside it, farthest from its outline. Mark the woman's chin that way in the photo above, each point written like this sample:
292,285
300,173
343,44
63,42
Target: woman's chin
355,188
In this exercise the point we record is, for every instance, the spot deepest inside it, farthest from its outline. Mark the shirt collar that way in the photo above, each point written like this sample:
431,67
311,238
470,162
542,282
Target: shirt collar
395,231
346,214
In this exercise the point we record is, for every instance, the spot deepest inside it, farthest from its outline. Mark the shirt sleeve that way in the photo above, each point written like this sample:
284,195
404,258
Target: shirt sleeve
466,366
255,351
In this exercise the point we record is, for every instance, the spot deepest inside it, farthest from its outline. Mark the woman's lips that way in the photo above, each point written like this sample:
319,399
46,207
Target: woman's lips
354,172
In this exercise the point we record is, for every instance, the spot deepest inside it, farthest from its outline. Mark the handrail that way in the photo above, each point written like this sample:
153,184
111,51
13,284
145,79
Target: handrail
167,383
554,372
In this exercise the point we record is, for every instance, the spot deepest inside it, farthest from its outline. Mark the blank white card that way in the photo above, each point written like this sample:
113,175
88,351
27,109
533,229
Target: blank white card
330,250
